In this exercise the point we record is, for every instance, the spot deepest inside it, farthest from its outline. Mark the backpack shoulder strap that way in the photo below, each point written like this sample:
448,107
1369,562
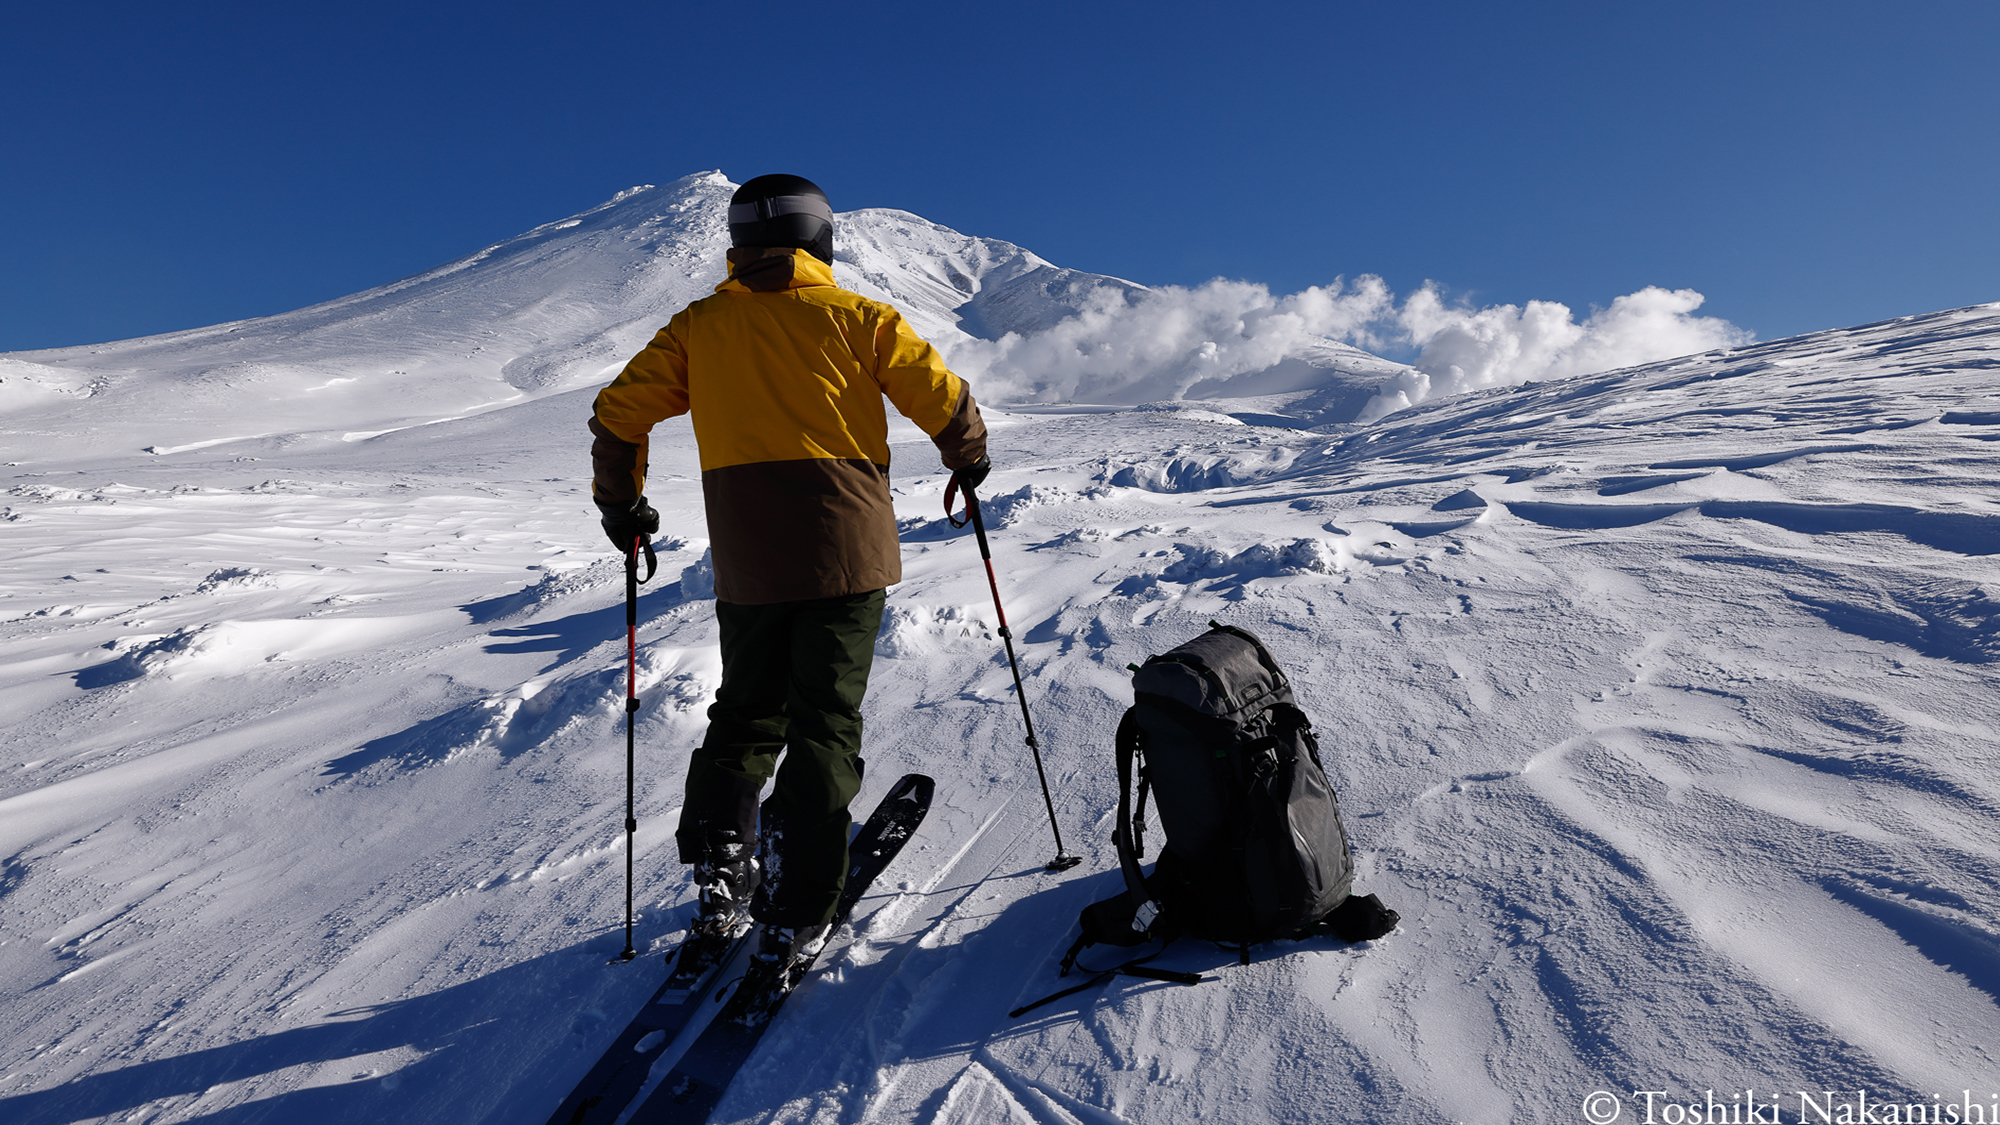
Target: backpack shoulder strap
1128,854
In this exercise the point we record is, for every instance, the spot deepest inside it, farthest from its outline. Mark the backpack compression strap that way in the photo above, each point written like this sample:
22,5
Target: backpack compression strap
1136,967
1128,856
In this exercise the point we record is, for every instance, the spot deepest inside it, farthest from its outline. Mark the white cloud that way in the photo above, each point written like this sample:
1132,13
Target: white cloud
1464,349
1157,344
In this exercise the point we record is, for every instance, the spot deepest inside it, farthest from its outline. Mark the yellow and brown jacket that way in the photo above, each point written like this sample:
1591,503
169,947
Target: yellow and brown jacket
784,373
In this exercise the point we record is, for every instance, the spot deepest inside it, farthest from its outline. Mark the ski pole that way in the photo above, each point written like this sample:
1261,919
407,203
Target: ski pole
1063,860
632,583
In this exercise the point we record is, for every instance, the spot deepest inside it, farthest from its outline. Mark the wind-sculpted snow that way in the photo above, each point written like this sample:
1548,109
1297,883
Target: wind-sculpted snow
556,585
1259,560
1202,472
517,721
698,580
1944,618
918,630
1661,704
997,512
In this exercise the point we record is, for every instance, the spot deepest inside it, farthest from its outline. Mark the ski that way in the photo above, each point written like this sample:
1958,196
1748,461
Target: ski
611,1084
698,1081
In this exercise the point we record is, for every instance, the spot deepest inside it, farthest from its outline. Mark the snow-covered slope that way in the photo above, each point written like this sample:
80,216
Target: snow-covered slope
565,301
1662,704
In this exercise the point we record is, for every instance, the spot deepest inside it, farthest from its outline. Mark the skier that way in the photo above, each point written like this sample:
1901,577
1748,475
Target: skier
784,373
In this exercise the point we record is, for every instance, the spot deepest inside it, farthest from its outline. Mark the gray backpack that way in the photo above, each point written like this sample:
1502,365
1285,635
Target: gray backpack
1255,849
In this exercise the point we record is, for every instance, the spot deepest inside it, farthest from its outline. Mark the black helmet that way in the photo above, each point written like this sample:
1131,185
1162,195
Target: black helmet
781,210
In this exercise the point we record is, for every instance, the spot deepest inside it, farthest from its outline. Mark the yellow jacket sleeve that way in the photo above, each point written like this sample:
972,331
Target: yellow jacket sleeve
913,375
652,388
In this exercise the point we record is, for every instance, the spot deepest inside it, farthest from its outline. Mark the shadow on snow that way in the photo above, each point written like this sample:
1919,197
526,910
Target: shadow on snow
572,636
533,1028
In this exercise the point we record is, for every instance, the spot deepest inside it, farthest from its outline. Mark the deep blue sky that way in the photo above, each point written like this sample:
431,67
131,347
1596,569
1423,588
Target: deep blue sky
1806,165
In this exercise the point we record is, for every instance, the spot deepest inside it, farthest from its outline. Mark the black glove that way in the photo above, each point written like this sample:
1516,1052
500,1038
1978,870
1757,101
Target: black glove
973,475
624,523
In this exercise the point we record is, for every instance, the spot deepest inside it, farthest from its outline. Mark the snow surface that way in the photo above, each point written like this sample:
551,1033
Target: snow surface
1661,703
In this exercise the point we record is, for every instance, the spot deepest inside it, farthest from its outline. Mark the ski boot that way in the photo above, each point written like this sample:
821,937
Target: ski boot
723,893
783,955
722,909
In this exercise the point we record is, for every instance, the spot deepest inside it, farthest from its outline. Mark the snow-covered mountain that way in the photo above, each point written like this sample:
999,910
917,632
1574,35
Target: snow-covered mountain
560,307
1662,703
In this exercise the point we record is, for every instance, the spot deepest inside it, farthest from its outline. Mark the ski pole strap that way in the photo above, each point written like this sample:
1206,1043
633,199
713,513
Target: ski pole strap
639,544
951,493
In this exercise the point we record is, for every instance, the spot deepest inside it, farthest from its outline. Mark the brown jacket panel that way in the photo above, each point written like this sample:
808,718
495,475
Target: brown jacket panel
786,531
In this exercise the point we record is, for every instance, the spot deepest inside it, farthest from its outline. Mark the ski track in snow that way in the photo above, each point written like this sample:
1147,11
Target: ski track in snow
1661,704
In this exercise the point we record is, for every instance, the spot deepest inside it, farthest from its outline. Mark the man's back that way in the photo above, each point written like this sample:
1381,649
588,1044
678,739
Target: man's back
800,372
784,373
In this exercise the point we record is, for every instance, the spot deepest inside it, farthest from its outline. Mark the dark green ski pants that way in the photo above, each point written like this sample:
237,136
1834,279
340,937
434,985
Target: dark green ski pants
793,674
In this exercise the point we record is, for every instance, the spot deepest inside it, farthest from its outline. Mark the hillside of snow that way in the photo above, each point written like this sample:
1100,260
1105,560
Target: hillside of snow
1661,703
